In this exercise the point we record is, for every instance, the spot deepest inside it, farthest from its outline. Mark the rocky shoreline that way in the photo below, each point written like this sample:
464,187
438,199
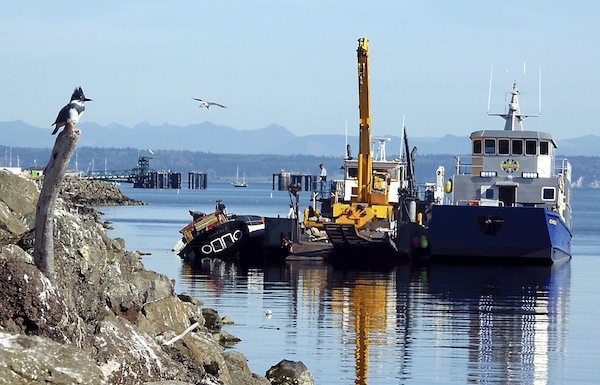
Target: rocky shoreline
89,192
106,319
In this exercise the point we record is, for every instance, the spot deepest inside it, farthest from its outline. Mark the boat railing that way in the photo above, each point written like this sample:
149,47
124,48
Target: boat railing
333,187
462,167
562,167
337,186
255,221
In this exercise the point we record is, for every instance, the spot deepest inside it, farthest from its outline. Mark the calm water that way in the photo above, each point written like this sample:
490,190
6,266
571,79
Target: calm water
440,324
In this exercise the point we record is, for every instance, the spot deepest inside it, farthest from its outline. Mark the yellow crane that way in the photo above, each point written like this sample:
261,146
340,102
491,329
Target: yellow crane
370,203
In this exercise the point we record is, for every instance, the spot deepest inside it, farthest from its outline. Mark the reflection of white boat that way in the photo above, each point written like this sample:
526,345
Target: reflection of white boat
237,182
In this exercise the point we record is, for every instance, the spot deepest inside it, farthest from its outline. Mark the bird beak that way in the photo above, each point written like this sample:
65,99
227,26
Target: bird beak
87,100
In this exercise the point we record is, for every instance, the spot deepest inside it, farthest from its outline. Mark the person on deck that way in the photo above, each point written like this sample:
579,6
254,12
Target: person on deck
221,211
292,212
322,178
197,215
220,207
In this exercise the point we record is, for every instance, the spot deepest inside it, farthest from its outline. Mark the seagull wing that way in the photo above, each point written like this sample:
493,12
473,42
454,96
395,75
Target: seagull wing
207,104
203,103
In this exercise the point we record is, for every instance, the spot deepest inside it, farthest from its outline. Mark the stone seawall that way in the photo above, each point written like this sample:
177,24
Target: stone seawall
106,319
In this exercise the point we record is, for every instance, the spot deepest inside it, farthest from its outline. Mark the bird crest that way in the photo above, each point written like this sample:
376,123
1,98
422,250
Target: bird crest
79,95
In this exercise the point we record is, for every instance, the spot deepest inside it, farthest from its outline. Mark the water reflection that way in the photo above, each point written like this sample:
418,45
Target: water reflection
510,319
443,324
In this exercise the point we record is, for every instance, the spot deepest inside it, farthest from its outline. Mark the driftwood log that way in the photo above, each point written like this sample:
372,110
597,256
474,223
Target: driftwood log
43,248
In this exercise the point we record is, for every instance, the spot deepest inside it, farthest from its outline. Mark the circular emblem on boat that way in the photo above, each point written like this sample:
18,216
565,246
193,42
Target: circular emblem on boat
207,249
510,165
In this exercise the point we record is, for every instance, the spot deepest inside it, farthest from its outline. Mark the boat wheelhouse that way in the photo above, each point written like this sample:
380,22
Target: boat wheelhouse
395,173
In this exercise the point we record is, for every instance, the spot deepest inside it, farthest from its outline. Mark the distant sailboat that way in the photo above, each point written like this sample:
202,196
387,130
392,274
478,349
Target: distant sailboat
237,182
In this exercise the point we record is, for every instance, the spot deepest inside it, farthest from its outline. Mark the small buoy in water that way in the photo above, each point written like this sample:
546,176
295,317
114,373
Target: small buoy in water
271,195
268,313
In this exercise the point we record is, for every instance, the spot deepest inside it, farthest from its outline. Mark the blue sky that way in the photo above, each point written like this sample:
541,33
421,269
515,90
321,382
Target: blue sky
293,63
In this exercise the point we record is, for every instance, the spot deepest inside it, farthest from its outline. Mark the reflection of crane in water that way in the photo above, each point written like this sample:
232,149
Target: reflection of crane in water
368,304
373,312
377,317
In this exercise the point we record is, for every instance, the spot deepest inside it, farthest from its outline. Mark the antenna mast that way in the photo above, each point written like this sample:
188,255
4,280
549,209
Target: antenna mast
522,102
506,88
402,138
540,93
490,89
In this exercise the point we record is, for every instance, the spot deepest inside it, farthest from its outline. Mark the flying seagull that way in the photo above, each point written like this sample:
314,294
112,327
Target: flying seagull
72,111
204,103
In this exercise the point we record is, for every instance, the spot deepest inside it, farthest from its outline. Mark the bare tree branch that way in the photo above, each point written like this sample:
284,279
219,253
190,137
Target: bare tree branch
43,248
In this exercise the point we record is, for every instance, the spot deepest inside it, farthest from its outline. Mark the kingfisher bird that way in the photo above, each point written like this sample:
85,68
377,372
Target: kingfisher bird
204,103
72,111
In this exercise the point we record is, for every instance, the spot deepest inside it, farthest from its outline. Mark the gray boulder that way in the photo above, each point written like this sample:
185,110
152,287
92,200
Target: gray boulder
26,360
240,372
18,197
290,373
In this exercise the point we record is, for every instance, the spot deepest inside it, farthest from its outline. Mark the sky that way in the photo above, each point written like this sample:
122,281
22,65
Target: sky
293,63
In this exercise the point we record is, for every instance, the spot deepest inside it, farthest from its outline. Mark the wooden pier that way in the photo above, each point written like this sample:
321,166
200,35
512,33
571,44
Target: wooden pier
197,180
158,180
284,179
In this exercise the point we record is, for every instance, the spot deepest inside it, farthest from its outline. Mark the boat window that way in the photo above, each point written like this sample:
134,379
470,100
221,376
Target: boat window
503,147
544,148
477,147
489,193
352,172
530,147
490,146
548,193
517,147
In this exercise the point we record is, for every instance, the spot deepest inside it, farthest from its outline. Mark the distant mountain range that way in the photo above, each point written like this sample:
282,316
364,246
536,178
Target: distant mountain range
273,139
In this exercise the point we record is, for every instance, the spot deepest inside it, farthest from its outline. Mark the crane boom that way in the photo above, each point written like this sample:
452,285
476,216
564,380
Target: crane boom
365,156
